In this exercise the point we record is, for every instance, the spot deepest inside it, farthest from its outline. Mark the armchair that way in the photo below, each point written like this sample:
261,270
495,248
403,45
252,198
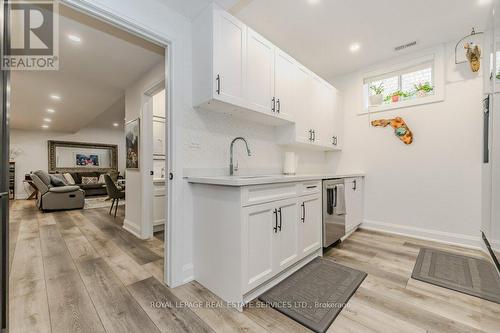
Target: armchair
56,198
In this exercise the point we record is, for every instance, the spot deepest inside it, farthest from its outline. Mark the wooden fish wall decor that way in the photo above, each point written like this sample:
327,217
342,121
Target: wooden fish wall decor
400,128
474,56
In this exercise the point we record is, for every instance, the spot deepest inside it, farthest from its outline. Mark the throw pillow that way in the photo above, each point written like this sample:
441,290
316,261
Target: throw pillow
56,181
101,179
69,179
89,180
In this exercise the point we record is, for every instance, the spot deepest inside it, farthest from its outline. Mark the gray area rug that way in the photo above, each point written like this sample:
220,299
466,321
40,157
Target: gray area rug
314,295
100,202
465,274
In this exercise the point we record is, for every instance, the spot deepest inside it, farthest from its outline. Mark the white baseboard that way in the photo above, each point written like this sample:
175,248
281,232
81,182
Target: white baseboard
425,234
132,228
187,273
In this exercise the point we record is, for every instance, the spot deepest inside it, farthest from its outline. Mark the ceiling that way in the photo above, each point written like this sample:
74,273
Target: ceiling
319,33
91,79
191,8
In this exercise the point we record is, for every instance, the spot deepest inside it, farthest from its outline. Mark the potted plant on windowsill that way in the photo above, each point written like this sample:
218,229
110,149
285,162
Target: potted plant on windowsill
397,96
422,90
377,96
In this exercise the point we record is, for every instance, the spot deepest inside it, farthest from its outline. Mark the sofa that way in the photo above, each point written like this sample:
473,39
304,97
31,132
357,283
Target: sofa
54,194
93,188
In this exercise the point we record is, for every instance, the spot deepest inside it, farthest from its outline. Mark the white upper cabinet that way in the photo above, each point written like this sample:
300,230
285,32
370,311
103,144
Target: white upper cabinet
259,83
237,71
286,86
229,58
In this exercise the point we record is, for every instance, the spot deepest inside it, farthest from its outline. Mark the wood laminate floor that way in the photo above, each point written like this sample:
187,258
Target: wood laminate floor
78,271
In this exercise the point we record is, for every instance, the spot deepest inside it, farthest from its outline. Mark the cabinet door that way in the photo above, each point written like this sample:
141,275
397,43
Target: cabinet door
310,224
326,117
259,236
303,120
337,119
354,202
286,84
322,111
259,83
287,246
229,56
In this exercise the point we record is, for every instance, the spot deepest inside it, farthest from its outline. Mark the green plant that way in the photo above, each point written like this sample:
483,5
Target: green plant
377,90
425,87
399,93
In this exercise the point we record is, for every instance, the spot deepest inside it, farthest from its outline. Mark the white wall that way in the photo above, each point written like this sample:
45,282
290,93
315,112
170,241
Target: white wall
208,135
431,188
33,149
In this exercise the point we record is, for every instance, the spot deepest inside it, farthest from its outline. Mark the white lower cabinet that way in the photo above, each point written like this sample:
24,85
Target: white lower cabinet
239,258
259,244
354,203
310,224
287,243
276,237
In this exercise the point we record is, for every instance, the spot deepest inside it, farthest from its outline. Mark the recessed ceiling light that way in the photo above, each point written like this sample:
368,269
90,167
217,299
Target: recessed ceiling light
116,124
45,126
74,38
47,120
55,97
51,110
313,2
354,47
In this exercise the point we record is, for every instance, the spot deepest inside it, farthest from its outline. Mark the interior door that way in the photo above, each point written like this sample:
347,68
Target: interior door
310,224
287,251
4,167
259,83
229,55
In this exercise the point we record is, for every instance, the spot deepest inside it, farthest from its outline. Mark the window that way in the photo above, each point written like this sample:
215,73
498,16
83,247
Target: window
405,81
407,84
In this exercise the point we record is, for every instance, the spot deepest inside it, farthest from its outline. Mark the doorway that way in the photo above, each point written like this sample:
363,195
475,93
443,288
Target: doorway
107,246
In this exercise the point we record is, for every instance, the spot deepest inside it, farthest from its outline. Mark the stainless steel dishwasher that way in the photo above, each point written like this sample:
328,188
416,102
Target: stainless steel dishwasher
334,211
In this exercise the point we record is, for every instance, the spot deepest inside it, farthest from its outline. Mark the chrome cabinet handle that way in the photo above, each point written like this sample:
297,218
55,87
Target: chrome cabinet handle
273,107
303,218
281,219
275,228
355,185
218,84
278,106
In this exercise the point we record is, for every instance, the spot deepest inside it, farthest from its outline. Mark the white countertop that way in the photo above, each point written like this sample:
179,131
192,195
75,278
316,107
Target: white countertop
246,180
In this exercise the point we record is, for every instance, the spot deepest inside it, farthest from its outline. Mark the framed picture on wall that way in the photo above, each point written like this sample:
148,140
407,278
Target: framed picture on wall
132,136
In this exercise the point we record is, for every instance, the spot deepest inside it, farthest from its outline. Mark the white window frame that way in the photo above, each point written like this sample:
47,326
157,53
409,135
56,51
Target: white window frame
436,56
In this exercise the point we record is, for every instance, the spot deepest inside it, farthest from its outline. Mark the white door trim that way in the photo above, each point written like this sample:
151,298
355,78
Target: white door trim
173,268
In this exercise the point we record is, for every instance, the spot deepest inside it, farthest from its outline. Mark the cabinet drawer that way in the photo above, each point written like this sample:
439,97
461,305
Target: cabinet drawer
252,195
311,187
